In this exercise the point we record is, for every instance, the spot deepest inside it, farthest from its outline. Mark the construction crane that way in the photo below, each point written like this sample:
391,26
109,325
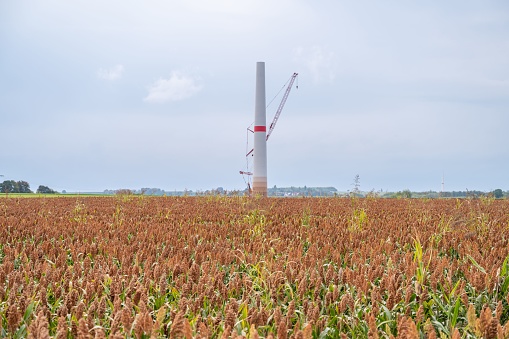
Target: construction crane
281,105
274,121
278,113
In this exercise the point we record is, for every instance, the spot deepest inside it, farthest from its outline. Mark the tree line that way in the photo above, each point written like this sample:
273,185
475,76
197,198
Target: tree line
11,186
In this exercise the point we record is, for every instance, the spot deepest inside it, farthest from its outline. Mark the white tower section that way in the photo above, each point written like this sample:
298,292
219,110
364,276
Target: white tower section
260,134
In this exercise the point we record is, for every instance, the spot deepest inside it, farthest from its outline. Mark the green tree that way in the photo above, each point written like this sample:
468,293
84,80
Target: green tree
403,194
498,193
406,193
23,187
7,186
11,186
45,190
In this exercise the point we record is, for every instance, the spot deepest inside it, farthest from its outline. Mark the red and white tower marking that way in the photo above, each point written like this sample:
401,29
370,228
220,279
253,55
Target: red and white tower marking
260,134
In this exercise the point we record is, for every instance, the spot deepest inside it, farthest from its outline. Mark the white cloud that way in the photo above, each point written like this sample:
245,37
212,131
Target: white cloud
111,74
320,63
178,87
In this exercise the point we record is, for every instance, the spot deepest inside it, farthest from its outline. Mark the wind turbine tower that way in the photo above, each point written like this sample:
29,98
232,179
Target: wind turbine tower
260,134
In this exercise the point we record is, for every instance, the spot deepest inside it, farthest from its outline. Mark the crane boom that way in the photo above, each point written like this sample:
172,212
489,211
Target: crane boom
279,109
281,105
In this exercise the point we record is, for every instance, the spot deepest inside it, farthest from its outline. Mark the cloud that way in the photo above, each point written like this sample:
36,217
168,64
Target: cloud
178,87
111,74
320,63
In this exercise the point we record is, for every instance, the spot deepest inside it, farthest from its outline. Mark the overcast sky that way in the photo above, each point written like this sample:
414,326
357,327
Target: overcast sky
115,94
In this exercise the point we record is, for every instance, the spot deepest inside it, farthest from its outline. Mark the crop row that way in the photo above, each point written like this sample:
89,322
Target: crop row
219,267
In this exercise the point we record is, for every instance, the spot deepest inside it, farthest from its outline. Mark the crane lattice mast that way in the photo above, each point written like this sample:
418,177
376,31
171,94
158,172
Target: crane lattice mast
281,105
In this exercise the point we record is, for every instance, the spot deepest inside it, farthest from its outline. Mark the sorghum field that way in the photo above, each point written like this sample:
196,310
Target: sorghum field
219,267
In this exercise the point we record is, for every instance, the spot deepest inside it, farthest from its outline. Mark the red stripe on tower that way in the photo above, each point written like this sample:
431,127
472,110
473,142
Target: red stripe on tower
260,129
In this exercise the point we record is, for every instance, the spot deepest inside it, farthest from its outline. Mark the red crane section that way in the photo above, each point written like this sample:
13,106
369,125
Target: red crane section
281,105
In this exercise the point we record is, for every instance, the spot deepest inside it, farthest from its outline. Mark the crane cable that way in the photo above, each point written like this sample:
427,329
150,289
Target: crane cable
284,86
247,158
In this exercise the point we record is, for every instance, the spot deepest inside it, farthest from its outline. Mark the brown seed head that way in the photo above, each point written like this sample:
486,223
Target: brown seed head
83,329
491,330
13,318
373,331
61,329
282,330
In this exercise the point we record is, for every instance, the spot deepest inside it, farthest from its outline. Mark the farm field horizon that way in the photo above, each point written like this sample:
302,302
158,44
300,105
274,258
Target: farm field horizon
225,267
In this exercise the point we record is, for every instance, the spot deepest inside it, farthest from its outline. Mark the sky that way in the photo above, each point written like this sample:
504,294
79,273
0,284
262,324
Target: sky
114,94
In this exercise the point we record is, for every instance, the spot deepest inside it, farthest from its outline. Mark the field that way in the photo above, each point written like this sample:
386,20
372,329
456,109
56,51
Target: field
219,267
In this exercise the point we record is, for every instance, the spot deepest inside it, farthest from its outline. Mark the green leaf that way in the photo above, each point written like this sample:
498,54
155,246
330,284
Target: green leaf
505,267
21,332
439,303
418,250
243,317
454,318
28,312
111,306
386,311
476,264
505,286
454,289
439,326
325,333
